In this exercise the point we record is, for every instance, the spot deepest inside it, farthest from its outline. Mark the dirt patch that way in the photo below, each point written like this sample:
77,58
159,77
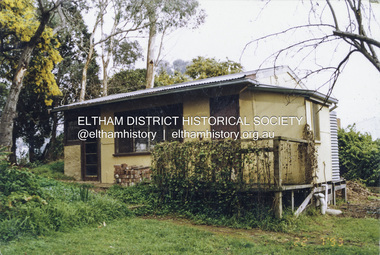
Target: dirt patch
362,203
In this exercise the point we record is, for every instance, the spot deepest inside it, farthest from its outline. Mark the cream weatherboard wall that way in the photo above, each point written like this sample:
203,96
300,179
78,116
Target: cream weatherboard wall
108,157
323,144
107,150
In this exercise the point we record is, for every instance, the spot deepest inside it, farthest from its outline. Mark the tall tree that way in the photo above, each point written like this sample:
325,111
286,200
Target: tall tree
164,17
74,41
198,68
33,123
126,18
24,29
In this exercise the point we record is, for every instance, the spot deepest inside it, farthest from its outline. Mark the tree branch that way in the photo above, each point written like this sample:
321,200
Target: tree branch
337,73
283,32
357,37
333,14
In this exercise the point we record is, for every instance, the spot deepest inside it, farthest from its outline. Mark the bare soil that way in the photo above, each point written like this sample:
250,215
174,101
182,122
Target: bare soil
362,203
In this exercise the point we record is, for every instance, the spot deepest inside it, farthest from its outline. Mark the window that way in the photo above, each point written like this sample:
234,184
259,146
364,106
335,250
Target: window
72,130
71,124
141,133
226,106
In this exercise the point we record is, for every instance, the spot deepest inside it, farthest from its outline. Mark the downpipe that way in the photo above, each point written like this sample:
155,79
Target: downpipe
322,200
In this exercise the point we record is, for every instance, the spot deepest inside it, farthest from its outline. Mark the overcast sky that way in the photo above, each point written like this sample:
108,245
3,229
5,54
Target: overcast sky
231,24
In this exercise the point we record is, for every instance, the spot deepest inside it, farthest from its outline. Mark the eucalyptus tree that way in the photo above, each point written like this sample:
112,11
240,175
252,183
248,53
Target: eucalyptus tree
73,44
164,17
125,17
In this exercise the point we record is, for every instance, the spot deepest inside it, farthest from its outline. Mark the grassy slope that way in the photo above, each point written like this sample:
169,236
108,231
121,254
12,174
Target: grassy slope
314,235
151,236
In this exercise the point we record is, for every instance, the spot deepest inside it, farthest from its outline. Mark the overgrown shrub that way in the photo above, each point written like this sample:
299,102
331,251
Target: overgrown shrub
203,180
13,179
33,205
200,174
359,156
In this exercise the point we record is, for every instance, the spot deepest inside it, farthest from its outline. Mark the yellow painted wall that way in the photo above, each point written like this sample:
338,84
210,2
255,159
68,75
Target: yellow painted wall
108,160
324,147
264,106
278,105
195,106
72,161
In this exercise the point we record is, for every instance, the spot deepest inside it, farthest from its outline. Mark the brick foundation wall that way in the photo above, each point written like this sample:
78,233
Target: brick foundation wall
130,175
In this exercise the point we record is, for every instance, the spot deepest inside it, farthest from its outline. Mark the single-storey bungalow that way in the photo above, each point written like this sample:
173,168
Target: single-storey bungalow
262,104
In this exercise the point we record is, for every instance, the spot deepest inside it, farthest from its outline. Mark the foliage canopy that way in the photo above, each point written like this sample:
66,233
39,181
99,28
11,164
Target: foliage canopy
359,156
18,24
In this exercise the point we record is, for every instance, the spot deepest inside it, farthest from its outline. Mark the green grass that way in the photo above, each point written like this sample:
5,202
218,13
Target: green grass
44,216
46,205
52,170
150,236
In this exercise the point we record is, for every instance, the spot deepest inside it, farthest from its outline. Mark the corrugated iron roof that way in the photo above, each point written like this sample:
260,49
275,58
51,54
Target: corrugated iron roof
244,77
216,81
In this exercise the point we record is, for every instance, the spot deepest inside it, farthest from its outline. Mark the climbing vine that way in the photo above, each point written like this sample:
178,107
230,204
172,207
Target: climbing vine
309,153
227,176
214,174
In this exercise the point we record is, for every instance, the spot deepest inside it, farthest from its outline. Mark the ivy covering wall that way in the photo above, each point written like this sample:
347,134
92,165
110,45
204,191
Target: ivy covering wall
227,176
202,173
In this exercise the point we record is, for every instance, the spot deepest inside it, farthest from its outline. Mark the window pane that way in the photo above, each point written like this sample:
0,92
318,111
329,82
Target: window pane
141,144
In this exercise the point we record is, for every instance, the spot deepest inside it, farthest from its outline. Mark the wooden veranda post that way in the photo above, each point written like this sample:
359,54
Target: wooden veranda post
277,177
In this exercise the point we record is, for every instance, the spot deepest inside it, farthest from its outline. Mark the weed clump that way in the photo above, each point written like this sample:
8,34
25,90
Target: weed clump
33,205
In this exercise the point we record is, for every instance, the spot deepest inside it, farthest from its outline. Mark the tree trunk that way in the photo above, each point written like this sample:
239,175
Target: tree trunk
105,80
12,156
150,62
106,58
85,68
50,148
9,111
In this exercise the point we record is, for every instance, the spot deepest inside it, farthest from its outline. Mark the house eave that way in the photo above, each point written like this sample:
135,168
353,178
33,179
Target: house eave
310,94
